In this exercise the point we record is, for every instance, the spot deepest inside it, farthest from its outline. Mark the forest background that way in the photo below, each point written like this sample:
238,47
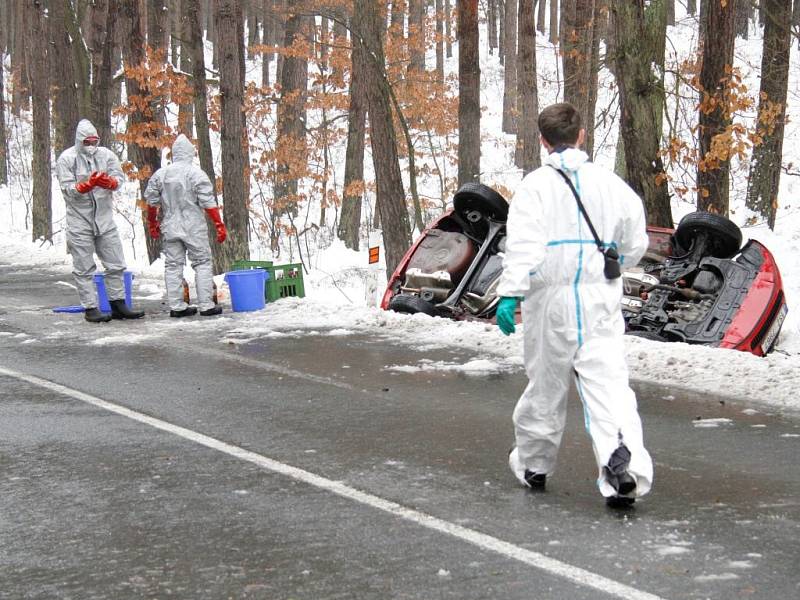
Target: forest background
351,123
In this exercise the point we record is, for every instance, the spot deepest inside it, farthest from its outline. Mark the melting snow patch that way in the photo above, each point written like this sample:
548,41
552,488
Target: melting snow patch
472,367
717,577
790,435
443,573
671,550
709,423
340,332
117,340
740,564
750,411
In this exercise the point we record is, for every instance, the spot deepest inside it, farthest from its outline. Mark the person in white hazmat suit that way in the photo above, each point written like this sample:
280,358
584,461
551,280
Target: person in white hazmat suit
573,325
88,174
184,192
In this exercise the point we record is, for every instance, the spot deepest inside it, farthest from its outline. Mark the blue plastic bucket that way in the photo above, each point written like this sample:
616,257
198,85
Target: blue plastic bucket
102,295
247,289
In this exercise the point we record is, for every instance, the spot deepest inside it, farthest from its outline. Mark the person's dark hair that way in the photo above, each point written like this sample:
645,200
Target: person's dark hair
560,124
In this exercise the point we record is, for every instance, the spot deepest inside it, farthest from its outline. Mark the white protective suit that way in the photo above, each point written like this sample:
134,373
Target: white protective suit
184,190
573,325
90,217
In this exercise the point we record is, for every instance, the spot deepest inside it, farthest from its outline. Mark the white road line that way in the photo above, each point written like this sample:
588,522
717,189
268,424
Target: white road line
481,540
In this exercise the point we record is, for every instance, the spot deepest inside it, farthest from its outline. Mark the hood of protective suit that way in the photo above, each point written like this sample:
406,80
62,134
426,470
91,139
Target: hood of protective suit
569,160
84,130
182,149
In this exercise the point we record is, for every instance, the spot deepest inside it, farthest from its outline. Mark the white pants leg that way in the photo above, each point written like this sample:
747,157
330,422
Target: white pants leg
174,261
611,411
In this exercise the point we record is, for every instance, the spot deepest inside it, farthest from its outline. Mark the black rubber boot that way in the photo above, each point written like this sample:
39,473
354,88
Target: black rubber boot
537,481
617,471
186,312
120,310
93,315
217,310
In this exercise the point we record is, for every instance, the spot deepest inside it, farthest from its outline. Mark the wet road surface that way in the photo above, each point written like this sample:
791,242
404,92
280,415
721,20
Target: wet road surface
191,493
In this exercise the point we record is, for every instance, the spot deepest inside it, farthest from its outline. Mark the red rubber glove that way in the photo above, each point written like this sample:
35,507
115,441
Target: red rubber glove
213,214
153,226
86,186
103,180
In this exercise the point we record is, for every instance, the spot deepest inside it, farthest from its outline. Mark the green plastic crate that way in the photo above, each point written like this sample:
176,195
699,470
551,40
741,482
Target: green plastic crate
285,281
243,265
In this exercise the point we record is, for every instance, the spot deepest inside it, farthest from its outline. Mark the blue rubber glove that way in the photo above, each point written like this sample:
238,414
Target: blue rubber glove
505,314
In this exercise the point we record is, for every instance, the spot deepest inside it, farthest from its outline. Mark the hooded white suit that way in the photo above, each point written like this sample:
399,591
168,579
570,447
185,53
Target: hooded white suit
90,217
184,190
573,325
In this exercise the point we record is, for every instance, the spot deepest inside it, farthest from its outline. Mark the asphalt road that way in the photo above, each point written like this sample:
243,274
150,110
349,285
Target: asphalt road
181,466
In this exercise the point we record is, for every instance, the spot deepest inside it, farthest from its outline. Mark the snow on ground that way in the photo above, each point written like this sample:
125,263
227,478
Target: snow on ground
343,290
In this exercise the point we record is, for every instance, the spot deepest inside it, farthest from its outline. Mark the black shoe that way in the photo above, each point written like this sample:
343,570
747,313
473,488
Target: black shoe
620,502
186,312
616,471
536,481
93,315
120,310
217,310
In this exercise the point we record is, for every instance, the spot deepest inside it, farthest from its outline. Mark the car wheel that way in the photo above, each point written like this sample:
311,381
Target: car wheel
411,305
724,236
476,198
648,335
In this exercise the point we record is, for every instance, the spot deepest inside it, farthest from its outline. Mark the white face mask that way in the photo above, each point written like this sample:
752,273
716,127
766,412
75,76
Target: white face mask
90,150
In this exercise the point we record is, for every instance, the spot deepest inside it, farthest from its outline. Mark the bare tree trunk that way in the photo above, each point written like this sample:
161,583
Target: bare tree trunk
350,221
713,173
175,33
501,31
491,10
439,41
510,77
528,137
104,24
765,168
448,28
3,136
691,7
469,107
62,75
291,147
266,40
541,16
182,39
232,133
743,18
670,13
146,159
195,47
36,52
20,85
398,17
796,20
638,64
554,24
416,35
390,197
157,24
576,48
81,61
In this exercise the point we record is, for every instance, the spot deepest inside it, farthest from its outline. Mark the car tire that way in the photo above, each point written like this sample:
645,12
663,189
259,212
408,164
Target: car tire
476,197
648,335
724,235
411,305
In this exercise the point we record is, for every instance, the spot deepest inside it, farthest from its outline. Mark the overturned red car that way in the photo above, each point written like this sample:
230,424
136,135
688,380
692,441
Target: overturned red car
696,284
